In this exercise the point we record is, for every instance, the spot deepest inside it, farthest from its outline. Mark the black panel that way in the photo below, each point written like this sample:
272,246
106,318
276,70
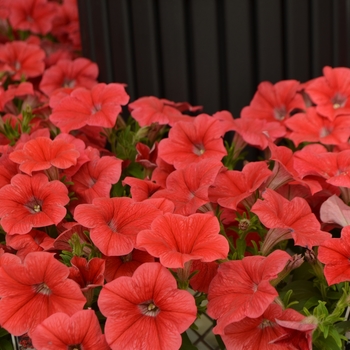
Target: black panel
102,45
86,32
121,44
174,50
205,65
269,40
340,35
146,48
297,40
213,52
241,72
322,35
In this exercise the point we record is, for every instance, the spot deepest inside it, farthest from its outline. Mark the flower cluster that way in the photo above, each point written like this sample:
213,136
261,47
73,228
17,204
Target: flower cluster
122,223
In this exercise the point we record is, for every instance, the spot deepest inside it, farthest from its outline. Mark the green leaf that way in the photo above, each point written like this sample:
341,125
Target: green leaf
336,336
304,292
342,327
3,332
286,298
313,301
186,342
325,344
118,190
220,342
6,345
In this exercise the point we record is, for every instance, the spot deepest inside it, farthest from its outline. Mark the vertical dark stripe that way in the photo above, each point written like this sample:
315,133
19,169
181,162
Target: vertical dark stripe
346,44
106,49
158,47
206,53
269,40
221,32
284,28
240,54
340,34
87,34
173,50
322,35
254,40
335,33
146,56
121,44
311,38
297,40
190,51
131,39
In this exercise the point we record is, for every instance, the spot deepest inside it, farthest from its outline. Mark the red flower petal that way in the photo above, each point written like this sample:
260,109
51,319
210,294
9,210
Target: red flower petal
176,239
35,289
146,311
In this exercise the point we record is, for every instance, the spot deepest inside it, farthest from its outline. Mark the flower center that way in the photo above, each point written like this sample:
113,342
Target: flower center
96,108
34,205
113,225
17,65
126,258
148,308
42,288
325,132
280,113
198,149
265,323
74,347
68,83
338,101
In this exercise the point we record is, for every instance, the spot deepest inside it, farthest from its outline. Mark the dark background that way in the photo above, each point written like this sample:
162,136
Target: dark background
213,52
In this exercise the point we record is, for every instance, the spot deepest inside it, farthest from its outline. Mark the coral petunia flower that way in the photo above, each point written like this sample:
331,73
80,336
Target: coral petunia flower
33,15
205,272
258,132
146,311
335,254
232,187
42,153
88,274
96,177
298,331
80,72
331,92
274,102
140,189
145,156
193,141
35,289
21,59
150,109
8,169
284,172
188,187
99,106
80,331
334,210
288,219
258,333
115,222
312,127
176,239
332,166
33,241
242,288
32,202
73,228
125,265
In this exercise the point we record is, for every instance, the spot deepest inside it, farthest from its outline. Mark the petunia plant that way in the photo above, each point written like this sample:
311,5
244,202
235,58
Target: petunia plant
124,224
